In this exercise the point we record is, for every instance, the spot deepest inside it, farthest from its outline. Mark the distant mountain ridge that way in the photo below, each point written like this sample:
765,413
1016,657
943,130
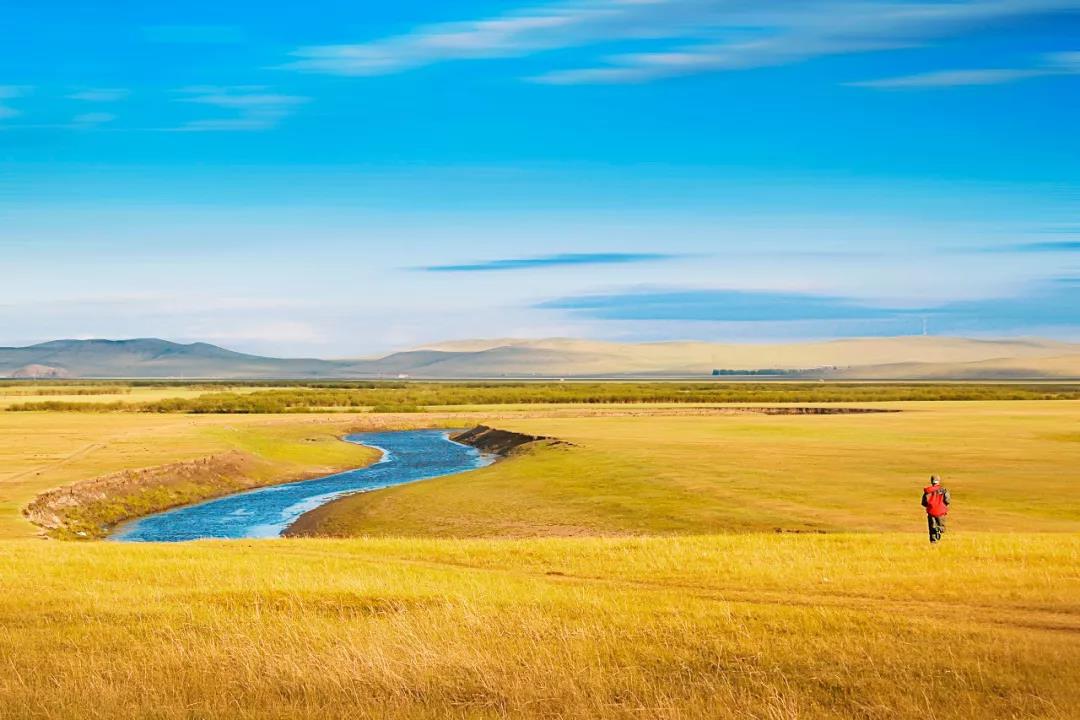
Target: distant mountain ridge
153,358
859,358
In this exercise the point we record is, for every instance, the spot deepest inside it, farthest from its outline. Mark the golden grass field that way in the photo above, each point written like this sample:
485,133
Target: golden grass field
675,598
727,626
1015,464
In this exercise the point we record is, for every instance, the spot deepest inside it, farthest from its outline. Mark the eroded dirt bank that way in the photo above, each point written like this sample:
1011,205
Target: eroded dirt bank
327,520
91,508
499,442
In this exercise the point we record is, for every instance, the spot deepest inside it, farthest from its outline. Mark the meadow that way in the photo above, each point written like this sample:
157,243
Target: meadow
1013,463
726,626
663,562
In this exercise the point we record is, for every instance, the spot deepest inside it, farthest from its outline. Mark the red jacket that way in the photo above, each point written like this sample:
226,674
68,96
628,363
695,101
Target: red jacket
936,500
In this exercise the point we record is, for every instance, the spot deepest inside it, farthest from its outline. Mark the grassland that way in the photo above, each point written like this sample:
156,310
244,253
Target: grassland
1013,463
743,626
674,598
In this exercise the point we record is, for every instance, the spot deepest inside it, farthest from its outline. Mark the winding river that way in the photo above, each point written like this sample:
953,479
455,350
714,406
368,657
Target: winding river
408,456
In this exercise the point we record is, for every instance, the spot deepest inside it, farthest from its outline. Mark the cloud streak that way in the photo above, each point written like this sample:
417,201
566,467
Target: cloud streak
549,261
1041,247
682,36
719,305
1052,303
1067,63
252,108
99,95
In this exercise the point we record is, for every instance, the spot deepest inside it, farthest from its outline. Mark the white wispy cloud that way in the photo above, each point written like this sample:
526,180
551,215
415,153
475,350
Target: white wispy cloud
100,95
685,36
253,107
951,78
1067,63
815,29
529,31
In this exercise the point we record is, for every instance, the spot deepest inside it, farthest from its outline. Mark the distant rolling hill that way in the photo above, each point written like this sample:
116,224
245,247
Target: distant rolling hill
895,357
150,358
862,358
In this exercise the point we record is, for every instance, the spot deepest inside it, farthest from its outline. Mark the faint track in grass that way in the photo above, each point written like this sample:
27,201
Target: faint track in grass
1056,621
81,452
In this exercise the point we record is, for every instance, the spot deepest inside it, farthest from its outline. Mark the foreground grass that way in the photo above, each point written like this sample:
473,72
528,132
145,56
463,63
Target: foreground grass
1010,465
744,626
762,625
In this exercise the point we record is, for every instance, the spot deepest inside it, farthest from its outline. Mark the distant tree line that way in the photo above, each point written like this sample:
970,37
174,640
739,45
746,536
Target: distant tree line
93,390
416,396
765,371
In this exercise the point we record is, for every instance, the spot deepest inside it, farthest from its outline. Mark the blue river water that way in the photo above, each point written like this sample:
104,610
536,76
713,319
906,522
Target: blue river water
408,456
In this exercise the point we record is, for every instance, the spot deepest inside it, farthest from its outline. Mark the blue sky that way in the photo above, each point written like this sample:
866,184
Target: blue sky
340,178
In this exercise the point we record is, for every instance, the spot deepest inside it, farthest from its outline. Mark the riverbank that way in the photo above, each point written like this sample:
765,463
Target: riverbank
74,475
684,474
90,508
408,456
499,442
337,518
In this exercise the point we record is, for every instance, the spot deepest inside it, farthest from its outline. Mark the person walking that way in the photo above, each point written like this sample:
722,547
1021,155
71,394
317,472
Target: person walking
936,499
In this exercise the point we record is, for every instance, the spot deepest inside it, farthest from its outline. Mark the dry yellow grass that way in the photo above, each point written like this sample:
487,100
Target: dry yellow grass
746,626
875,625
1011,465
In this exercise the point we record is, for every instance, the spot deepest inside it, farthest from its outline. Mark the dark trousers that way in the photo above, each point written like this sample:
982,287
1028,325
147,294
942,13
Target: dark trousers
936,526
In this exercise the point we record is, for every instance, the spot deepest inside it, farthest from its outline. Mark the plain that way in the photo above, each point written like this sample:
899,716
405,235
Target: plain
676,597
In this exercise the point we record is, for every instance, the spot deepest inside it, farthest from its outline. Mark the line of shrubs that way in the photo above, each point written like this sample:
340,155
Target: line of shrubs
414,397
